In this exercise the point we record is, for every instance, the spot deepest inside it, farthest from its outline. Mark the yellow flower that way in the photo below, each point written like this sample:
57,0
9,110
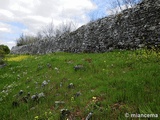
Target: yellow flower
72,98
94,98
36,117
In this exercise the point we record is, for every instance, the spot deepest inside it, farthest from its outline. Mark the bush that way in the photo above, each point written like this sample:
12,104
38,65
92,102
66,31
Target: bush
3,51
1,57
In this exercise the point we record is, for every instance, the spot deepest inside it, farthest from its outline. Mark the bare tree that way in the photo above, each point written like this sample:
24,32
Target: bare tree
129,3
49,31
118,5
39,36
25,39
65,28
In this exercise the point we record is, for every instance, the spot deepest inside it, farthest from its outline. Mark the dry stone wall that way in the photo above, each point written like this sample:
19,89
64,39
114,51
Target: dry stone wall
132,28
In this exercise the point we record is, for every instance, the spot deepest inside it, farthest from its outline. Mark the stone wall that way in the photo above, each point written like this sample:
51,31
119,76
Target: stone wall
130,29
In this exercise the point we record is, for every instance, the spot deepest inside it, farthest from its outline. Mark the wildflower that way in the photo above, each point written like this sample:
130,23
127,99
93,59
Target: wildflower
56,68
94,98
72,98
50,113
45,113
36,117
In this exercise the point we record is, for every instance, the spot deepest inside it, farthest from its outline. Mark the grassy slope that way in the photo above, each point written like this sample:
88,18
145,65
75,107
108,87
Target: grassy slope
111,84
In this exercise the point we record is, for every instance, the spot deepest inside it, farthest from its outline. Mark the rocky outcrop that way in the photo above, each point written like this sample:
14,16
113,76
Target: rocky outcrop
130,29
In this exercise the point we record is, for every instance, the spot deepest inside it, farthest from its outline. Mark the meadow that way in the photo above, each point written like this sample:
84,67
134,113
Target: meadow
97,86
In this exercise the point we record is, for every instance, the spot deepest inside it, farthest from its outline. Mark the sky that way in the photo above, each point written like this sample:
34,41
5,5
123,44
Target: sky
30,16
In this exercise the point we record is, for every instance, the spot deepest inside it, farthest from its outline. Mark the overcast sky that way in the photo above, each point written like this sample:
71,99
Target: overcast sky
29,16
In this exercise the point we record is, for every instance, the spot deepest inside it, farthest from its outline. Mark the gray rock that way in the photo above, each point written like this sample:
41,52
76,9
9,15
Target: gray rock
71,86
77,94
2,66
49,65
89,116
44,83
15,104
78,67
20,92
64,114
40,95
59,102
34,97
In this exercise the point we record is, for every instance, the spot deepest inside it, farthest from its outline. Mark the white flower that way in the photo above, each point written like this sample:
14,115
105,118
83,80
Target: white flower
56,68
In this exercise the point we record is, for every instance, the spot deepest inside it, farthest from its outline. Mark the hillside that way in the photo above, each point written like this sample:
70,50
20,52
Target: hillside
70,86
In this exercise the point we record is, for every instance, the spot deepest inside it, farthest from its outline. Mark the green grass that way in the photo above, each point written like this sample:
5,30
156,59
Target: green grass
111,84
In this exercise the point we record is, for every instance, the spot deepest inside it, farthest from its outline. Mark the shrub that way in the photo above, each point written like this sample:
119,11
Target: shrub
3,50
1,57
